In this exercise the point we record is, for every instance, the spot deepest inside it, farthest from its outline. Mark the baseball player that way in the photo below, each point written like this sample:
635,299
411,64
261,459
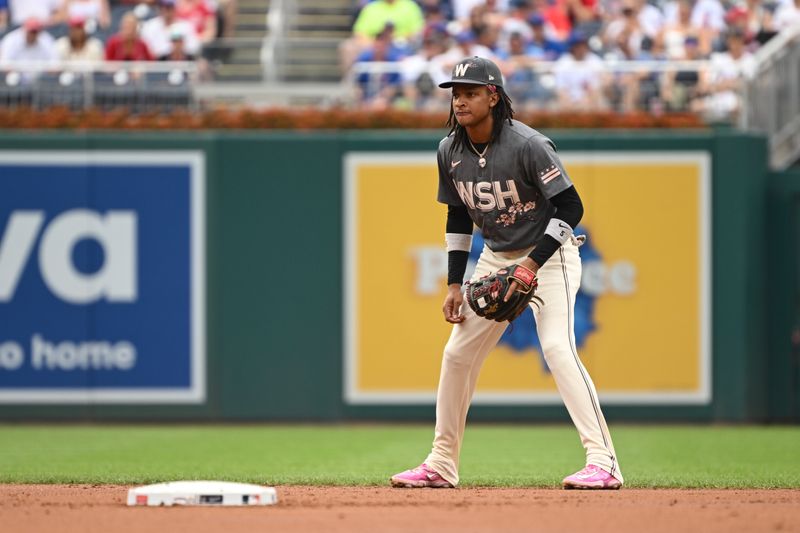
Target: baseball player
508,180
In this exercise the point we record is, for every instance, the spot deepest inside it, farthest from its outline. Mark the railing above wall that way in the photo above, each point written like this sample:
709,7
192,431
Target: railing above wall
138,86
771,97
276,24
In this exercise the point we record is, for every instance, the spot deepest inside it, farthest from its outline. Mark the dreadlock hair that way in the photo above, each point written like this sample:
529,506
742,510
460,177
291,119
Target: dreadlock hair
500,113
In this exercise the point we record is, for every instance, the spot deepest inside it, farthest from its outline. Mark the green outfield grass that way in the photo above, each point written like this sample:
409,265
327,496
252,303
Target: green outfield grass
493,455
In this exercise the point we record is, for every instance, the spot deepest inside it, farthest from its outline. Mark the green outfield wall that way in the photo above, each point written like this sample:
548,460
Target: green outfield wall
275,265
783,295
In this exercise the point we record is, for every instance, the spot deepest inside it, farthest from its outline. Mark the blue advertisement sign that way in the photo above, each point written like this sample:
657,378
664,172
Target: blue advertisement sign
102,277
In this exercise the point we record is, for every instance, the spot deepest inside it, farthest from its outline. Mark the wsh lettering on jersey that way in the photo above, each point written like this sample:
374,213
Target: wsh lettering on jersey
488,195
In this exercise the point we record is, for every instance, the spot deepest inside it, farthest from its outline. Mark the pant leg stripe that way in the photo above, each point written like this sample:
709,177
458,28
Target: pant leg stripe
570,326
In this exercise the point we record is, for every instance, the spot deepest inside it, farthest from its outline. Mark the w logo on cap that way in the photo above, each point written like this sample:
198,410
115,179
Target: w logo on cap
476,71
461,70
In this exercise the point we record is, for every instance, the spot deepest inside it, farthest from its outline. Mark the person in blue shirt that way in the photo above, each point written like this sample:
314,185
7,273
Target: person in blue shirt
541,46
380,88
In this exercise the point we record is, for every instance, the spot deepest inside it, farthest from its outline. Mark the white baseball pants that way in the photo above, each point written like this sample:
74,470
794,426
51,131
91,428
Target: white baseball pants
472,340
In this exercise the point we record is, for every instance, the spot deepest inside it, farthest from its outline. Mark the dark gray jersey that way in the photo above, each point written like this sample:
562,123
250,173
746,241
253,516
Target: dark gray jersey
508,199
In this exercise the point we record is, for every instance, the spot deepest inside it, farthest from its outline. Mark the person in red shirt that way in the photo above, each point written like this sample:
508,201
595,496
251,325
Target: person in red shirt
556,14
126,45
201,14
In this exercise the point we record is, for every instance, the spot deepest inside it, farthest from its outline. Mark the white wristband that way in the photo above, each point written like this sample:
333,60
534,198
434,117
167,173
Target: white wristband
559,230
458,242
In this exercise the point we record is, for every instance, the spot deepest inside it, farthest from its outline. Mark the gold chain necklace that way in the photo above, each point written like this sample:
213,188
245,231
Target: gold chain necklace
481,158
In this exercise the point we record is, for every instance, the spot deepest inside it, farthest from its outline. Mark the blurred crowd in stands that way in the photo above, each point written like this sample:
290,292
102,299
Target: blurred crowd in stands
566,54
93,31
622,55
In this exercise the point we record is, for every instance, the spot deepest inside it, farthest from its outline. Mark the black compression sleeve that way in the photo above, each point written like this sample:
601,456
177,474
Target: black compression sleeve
569,208
546,247
456,266
458,221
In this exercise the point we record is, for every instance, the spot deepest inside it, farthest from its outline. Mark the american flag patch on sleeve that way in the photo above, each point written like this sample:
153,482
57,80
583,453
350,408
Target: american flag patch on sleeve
549,174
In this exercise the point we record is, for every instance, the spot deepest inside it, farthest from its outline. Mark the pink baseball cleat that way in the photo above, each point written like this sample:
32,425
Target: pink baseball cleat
420,477
591,477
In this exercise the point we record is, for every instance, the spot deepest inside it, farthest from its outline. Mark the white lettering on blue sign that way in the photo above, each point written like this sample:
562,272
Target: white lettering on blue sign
11,356
94,355
115,232
67,355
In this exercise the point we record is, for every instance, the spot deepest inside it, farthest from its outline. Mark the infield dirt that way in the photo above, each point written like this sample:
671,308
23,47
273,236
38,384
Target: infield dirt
101,508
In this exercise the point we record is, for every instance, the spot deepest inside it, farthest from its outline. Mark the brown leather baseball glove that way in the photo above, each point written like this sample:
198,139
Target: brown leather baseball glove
486,295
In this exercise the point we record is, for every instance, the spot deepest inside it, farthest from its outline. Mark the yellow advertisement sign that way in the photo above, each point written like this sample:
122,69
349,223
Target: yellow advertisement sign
643,311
